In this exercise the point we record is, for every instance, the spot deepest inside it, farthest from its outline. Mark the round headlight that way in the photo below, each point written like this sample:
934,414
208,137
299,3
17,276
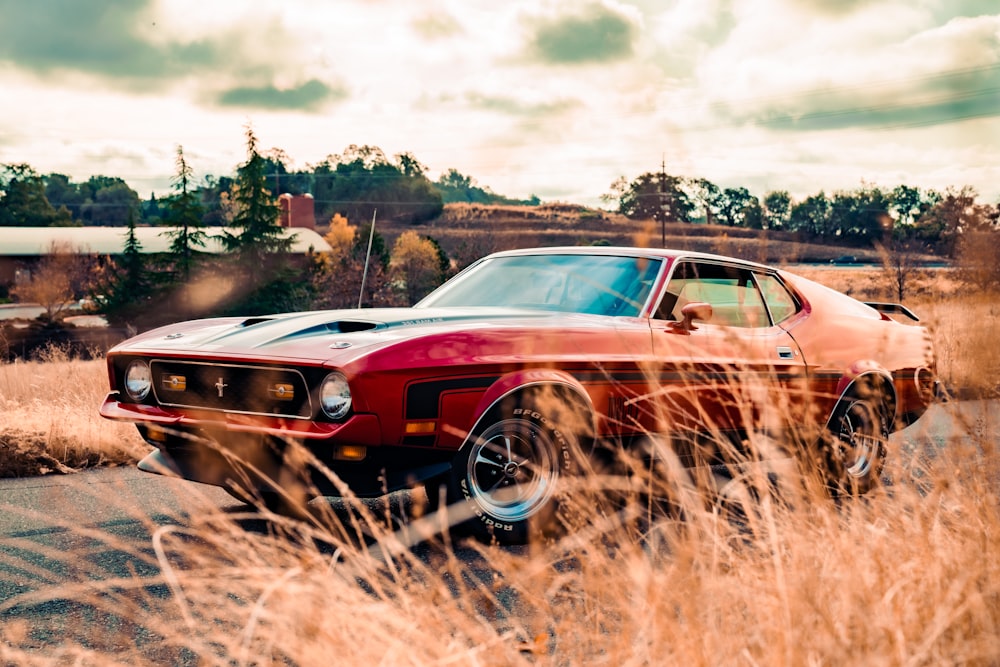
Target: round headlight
335,396
138,380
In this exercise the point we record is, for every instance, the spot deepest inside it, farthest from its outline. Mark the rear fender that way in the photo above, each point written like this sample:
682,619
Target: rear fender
862,379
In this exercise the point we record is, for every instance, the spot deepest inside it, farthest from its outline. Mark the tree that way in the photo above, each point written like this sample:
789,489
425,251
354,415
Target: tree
777,209
55,281
654,196
123,290
339,274
414,268
734,204
707,196
64,193
900,263
444,262
978,248
455,187
185,213
860,216
943,222
257,236
341,236
363,180
112,203
906,203
811,216
22,198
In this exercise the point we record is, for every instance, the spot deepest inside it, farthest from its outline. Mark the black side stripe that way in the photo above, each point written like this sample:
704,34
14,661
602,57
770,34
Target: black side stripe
422,398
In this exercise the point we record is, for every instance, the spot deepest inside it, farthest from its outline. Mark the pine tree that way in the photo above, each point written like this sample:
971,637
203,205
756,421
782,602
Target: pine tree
256,234
123,291
186,214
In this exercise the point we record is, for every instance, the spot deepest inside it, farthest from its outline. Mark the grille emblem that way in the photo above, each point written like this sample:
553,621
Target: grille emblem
220,385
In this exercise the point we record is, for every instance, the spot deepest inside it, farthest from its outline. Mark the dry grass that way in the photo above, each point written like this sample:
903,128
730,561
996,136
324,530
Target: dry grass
903,577
49,420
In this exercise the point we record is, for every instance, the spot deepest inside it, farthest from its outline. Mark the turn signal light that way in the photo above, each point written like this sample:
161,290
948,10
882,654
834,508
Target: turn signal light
420,427
281,392
350,453
156,433
175,382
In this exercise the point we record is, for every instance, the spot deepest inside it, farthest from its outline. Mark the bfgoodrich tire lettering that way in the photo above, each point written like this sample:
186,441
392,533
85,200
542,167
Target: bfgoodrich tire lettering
509,475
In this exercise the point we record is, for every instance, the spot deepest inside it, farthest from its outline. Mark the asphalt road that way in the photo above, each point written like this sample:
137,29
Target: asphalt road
60,531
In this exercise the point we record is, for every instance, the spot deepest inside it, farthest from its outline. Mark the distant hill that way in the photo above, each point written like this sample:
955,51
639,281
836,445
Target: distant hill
469,231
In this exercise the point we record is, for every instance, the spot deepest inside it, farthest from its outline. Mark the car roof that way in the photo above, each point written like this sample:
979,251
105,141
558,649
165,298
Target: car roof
658,253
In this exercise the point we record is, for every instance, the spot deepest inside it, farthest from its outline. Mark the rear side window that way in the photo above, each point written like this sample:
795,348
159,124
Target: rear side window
779,300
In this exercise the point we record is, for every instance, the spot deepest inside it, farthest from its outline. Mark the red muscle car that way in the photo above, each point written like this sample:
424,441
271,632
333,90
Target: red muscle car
499,379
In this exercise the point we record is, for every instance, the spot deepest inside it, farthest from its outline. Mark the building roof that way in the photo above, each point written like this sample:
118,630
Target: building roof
38,241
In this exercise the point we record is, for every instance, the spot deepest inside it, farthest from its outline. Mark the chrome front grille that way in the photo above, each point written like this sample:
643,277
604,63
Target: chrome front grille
259,390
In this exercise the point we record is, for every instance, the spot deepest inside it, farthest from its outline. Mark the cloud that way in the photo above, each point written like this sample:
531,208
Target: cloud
514,107
918,77
832,7
310,96
597,33
436,26
126,45
98,38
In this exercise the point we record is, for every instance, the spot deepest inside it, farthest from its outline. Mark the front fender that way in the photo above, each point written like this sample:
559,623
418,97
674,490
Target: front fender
523,380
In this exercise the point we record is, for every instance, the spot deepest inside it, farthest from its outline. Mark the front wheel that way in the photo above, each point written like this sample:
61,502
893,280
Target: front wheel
510,474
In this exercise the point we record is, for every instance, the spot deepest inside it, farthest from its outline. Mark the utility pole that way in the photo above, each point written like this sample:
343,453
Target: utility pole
664,202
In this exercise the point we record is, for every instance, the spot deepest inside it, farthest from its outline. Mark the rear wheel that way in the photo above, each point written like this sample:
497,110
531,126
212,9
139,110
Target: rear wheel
858,449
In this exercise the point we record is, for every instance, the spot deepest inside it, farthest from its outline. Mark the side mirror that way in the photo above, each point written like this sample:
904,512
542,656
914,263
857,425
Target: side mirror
696,310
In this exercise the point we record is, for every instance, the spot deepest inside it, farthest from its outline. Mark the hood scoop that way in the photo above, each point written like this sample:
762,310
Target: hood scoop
353,326
324,329
254,320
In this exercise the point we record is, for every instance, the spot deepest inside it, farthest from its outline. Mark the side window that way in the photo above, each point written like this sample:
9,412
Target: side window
730,291
779,300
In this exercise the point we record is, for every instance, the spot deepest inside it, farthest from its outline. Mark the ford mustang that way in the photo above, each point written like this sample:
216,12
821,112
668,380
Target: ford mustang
502,380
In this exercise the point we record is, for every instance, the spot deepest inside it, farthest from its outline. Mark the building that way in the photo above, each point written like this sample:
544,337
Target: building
297,211
22,247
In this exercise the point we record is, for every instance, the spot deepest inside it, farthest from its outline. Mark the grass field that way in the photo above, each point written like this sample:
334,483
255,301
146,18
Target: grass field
908,575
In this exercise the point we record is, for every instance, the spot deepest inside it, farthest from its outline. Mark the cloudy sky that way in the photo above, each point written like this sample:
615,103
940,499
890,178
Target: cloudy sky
556,98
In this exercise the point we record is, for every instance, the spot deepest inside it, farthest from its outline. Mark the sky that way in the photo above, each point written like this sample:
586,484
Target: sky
553,98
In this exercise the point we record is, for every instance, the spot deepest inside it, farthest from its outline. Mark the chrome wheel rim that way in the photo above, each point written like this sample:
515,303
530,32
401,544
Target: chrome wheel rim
512,470
861,440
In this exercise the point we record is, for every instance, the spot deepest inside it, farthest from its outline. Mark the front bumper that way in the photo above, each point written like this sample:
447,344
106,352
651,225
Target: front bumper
253,451
359,429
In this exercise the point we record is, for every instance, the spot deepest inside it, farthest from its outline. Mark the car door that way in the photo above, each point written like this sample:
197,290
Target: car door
732,371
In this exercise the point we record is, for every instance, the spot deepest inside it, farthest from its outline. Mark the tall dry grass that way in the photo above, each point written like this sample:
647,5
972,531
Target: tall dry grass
904,576
49,420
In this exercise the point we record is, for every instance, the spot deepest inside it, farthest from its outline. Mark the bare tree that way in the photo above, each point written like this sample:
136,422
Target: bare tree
55,281
900,263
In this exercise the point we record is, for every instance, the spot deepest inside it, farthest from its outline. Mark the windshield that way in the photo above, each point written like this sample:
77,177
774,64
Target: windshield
595,284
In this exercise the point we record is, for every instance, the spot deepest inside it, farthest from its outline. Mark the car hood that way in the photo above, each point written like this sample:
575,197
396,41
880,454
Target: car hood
323,335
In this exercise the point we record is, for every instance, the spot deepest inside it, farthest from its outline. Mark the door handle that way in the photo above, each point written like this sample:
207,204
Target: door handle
785,352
